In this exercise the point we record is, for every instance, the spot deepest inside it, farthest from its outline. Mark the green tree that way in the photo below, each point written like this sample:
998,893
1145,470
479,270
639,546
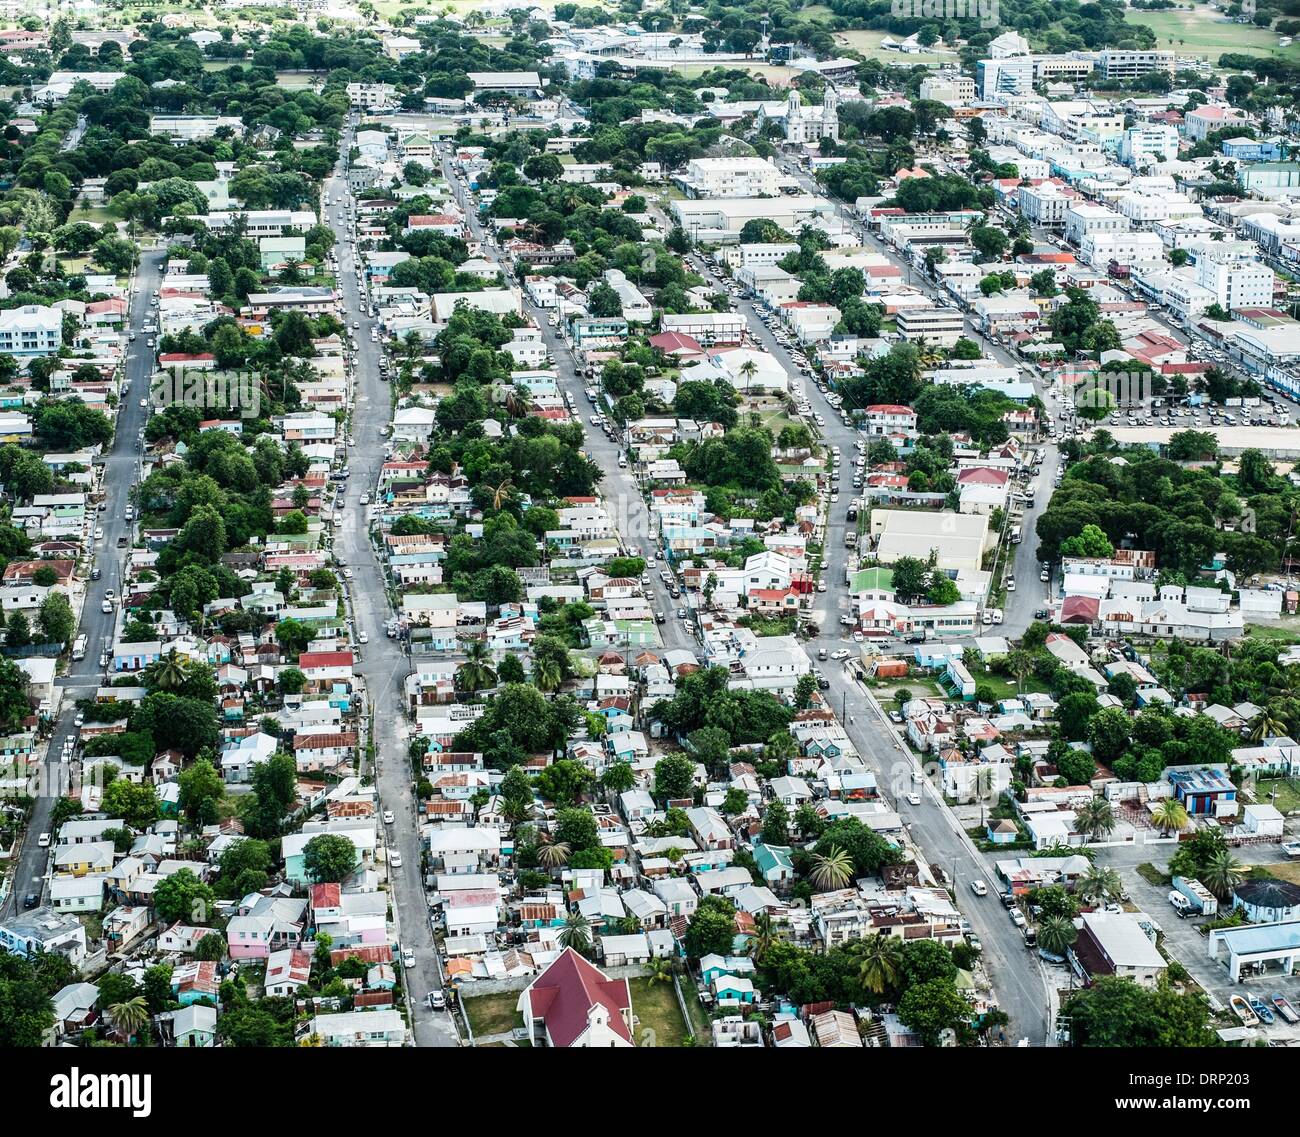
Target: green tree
674,777
328,858
712,928
931,1008
182,896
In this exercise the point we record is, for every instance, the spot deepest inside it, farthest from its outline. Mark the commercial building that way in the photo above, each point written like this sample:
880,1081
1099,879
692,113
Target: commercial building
731,177
958,540
944,326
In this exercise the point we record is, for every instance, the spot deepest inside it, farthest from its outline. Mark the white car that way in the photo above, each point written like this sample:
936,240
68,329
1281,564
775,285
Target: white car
408,958
99,534
841,653
43,841
979,888
365,499
144,404
363,638
914,798
394,859
347,574
388,817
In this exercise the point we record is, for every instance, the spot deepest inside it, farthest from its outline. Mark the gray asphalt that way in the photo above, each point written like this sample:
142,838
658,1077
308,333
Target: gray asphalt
383,664
121,470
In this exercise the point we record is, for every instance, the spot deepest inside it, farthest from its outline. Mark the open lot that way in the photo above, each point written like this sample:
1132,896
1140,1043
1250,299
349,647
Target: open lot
656,1009
867,41
1286,789
493,1014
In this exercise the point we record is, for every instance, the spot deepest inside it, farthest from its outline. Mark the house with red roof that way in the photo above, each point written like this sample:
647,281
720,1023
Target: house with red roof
676,343
1080,610
572,1004
890,418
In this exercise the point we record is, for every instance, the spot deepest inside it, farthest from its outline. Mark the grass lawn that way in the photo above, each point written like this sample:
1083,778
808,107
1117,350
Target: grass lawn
1288,793
1286,870
1153,875
1278,632
867,41
1005,688
493,1014
1206,33
656,1009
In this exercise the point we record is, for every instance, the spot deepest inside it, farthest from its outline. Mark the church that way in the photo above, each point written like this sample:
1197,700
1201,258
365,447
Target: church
804,124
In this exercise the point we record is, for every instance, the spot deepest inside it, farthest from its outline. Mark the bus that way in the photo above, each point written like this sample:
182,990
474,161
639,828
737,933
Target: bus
79,648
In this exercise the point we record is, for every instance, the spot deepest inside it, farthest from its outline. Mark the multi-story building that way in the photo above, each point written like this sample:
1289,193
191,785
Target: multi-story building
30,331
191,127
1011,76
731,177
943,326
1116,64
1235,282
1084,218
371,96
1045,204
948,87
1149,142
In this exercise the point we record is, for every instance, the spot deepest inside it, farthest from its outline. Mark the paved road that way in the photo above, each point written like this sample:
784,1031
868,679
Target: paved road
619,486
383,665
121,470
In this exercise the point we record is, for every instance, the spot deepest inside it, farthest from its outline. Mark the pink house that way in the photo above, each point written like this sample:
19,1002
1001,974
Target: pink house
270,923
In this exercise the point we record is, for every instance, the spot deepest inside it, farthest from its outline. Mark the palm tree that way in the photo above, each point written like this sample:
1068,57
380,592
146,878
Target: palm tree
659,970
171,671
477,671
831,870
1020,665
518,401
1056,933
553,854
501,493
130,1017
576,932
748,369
1289,682
1096,818
546,674
1099,885
763,937
881,959
1222,873
1170,814
1266,725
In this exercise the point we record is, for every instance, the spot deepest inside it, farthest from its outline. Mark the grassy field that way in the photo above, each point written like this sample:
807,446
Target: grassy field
867,41
1206,33
1288,793
1287,870
1280,632
656,1009
493,1014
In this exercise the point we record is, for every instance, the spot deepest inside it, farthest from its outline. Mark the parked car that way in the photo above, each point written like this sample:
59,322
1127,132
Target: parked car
394,859
388,817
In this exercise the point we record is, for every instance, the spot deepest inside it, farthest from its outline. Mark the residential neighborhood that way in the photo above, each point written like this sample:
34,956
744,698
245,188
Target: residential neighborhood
582,527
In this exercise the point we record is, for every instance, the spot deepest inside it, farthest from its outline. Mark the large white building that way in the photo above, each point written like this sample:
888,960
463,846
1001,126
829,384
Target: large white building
731,177
1126,248
1235,283
371,95
1149,142
1084,219
944,326
31,331
191,127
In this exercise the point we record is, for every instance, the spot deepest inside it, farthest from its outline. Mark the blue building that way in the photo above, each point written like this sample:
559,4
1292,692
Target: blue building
1252,149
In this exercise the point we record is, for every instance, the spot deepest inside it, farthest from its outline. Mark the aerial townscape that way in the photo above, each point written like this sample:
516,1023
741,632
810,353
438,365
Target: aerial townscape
649,523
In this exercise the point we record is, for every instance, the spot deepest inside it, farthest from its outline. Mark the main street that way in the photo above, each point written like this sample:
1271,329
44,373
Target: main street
619,486
383,662
120,470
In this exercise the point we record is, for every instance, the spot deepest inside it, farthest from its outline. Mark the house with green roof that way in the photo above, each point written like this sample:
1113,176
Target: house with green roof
872,584
774,863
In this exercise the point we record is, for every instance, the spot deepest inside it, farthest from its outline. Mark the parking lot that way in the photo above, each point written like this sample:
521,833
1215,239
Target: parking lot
1182,940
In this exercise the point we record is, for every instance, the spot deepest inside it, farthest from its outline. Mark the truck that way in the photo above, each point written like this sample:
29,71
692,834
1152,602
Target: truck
79,648
1191,897
850,540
